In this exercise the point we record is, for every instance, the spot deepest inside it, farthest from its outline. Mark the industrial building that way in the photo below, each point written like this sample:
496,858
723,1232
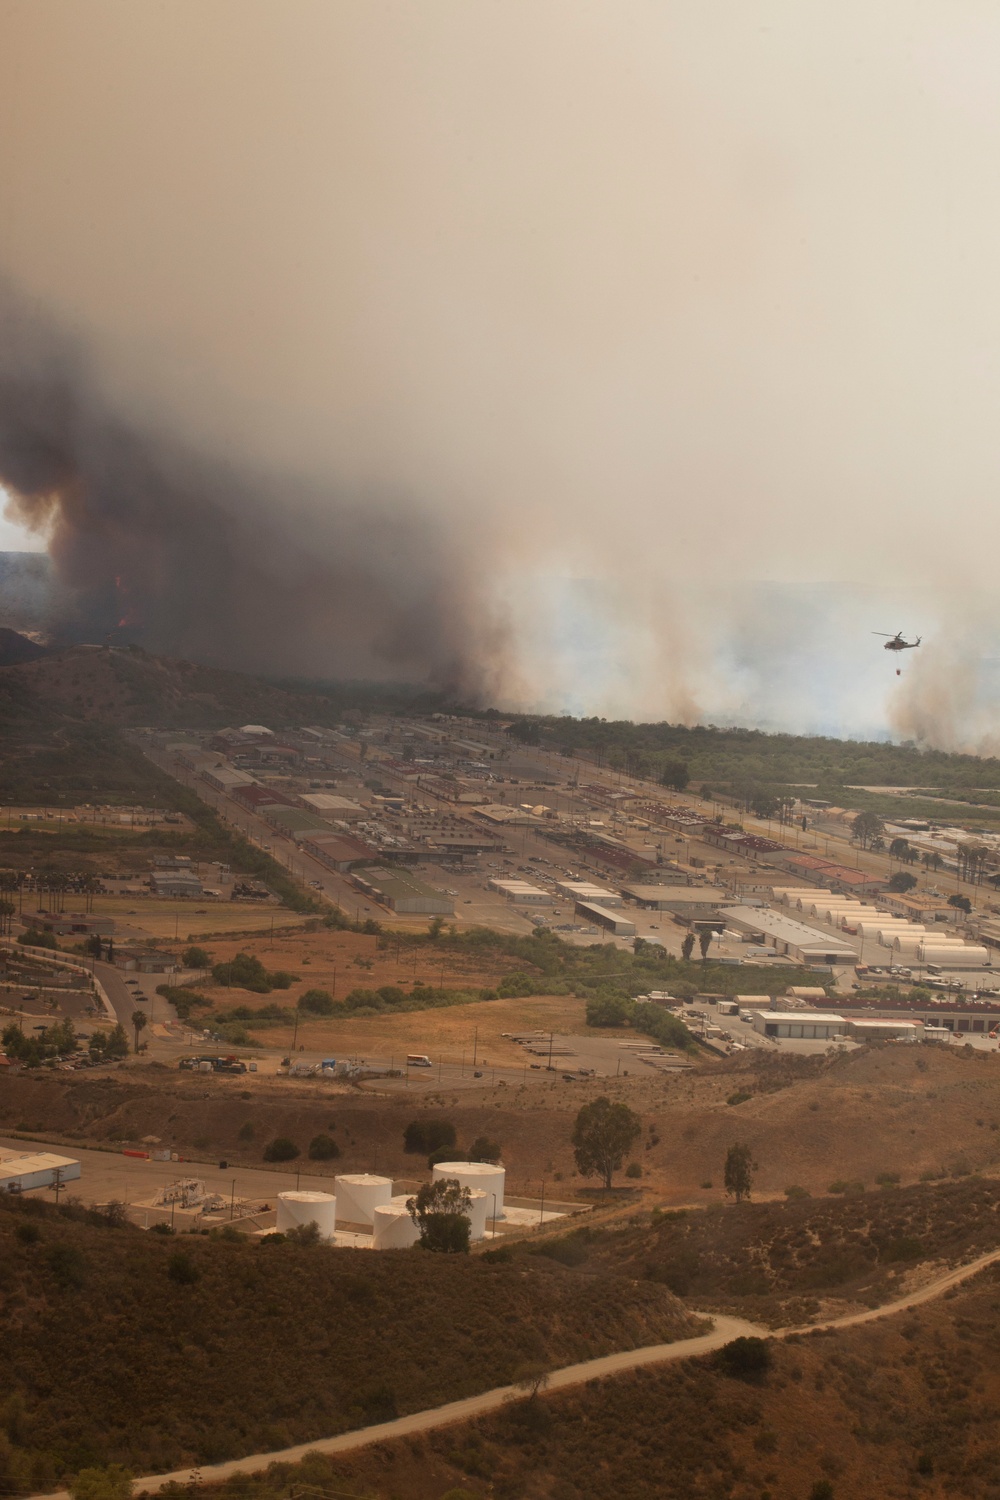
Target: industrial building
329,805
19,1174
612,921
788,937
521,892
404,893
676,898
800,1024
338,851
175,883
585,890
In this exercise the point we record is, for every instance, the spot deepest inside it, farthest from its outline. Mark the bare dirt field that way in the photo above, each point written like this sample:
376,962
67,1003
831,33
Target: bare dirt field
162,917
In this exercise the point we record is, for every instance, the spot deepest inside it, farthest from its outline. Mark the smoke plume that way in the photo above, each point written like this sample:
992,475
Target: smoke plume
158,543
634,359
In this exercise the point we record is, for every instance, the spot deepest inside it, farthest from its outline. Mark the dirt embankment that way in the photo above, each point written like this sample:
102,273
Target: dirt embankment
906,1112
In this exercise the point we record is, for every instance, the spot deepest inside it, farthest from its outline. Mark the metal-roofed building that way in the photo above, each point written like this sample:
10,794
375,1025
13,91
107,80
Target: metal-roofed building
404,893
804,1025
793,939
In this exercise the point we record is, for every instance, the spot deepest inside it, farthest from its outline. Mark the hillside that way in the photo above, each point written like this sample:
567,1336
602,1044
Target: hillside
124,685
898,1409
879,1112
173,1350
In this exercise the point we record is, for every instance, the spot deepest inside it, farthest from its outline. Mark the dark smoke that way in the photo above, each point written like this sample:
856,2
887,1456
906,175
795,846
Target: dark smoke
184,554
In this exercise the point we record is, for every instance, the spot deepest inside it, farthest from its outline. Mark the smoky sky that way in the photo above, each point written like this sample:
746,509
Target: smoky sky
154,541
635,357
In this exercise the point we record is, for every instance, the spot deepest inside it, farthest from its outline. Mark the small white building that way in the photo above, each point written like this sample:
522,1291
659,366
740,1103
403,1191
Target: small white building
521,892
804,1025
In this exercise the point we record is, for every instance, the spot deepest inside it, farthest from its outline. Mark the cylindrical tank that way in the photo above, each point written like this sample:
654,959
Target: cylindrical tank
481,1209
393,1228
358,1196
299,1208
475,1174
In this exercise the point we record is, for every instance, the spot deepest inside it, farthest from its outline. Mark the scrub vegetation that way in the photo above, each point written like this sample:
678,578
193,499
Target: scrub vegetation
183,1349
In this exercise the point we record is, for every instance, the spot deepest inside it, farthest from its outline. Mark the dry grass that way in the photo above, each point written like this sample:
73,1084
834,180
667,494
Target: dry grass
159,917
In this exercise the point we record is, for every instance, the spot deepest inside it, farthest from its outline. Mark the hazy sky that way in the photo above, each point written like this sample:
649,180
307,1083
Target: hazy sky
648,303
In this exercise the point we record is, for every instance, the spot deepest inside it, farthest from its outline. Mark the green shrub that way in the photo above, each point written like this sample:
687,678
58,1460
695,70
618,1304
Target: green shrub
323,1148
795,1193
423,1136
746,1358
317,1003
182,1269
633,1169
281,1149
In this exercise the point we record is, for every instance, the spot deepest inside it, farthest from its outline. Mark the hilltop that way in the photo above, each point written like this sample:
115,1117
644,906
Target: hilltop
124,686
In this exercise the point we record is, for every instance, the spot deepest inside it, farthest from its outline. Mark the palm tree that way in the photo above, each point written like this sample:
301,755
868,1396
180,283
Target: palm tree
139,1023
705,942
687,947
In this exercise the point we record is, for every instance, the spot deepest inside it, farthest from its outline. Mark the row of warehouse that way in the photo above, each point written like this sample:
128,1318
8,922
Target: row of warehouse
907,941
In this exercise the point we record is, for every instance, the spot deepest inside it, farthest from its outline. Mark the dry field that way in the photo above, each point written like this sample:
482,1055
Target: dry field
139,917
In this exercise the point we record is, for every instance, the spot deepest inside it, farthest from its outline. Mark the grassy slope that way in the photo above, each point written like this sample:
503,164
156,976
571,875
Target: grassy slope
271,1344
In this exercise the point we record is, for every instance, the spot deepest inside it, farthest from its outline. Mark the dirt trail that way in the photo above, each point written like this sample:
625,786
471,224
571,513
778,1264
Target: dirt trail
723,1329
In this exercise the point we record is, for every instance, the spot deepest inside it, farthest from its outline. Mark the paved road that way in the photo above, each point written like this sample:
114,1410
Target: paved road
723,1329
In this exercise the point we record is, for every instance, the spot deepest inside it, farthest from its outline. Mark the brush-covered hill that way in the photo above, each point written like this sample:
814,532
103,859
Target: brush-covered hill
124,686
154,1351
894,1410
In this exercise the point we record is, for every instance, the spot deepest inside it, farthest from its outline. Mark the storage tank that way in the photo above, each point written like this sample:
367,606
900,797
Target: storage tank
475,1174
358,1196
295,1209
481,1211
393,1229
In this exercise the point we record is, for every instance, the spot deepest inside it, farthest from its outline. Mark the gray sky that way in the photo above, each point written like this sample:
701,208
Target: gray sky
648,303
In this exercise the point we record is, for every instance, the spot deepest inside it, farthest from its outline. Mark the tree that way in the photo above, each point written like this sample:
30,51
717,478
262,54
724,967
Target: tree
687,947
317,1003
900,849
323,1148
530,1378
483,1149
608,1010
423,1136
705,942
281,1149
867,826
739,1171
139,1023
960,903
442,1212
195,958
116,1044
435,928
902,881
603,1136
674,774
112,1483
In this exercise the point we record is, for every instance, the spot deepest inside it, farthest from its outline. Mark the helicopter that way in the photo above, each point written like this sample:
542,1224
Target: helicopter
897,643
